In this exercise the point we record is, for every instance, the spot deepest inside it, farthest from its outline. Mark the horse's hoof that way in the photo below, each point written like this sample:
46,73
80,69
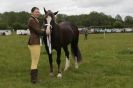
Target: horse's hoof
51,74
66,68
59,75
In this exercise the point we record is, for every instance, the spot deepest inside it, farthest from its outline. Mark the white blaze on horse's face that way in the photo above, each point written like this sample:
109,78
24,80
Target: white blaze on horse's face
48,29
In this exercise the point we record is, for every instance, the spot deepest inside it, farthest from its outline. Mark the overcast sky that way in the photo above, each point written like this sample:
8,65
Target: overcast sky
71,7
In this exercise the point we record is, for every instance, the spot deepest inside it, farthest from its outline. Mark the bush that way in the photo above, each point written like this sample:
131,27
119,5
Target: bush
3,26
118,24
16,26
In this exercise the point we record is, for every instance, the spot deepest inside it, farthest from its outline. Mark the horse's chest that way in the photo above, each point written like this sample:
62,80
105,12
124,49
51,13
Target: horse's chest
56,42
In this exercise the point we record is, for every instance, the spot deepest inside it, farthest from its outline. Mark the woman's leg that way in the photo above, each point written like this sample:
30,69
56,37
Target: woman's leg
35,55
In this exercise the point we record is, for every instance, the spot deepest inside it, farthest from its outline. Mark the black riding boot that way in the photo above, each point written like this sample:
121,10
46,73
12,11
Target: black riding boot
34,75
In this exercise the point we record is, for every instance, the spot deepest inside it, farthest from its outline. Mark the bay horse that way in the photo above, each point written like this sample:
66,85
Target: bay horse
59,36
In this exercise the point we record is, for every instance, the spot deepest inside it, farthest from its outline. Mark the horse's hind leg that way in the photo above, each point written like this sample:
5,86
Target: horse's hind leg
75,53
58,62
67,65
76,63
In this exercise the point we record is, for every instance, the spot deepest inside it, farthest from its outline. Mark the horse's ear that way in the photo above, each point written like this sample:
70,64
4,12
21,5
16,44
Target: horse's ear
45,10
55,13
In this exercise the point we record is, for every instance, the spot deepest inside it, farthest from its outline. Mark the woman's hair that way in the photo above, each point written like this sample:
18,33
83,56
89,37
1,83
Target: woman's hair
33,9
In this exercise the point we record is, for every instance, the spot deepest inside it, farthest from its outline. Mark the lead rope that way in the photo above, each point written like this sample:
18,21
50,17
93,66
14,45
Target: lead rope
49,39
49,43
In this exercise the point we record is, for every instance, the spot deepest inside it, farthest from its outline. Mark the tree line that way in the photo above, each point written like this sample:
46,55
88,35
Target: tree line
18,20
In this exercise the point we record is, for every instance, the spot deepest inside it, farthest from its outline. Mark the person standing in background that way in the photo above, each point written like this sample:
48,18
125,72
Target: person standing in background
86,33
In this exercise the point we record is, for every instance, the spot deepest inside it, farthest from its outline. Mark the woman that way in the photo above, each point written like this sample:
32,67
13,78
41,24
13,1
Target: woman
34,42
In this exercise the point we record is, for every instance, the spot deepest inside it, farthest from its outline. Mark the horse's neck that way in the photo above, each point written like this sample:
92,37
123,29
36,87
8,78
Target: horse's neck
55,27
56,31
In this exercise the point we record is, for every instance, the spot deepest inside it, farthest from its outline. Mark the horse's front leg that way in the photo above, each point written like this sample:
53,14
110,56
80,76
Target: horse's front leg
58,62
50,60
51,65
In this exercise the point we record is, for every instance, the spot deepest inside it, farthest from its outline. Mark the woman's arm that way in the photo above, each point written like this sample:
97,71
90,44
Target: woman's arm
33,25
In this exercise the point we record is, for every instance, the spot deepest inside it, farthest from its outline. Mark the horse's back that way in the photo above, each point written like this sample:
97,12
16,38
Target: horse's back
68,31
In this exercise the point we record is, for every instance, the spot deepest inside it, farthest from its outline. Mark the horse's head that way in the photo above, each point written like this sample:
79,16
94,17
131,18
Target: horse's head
49,20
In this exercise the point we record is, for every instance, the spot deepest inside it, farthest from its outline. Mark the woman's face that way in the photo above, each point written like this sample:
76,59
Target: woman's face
36,13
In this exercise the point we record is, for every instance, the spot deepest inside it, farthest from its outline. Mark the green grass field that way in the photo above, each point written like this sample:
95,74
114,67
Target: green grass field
107,63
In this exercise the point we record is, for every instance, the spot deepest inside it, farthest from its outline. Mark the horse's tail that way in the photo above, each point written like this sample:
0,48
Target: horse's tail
74,47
